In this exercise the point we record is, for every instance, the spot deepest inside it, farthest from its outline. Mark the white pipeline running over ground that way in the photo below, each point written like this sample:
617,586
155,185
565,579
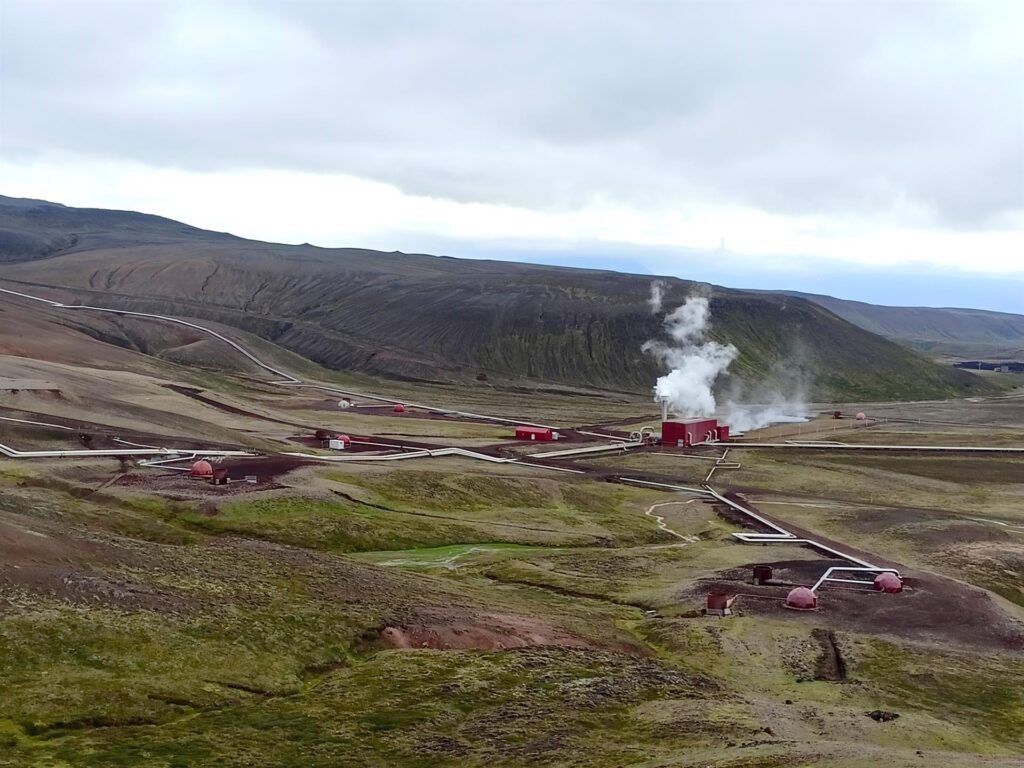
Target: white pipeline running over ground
782,536
13,453
836,446
430,453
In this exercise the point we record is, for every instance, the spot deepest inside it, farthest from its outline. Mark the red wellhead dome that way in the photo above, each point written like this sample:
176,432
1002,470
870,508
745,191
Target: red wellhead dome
802,598
344,438
399,408
202,468
888,582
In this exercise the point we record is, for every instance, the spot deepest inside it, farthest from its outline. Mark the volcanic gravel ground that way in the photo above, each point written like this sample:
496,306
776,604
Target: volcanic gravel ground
102,436
931,605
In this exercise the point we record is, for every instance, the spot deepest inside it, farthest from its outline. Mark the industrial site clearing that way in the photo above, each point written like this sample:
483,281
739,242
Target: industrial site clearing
215,552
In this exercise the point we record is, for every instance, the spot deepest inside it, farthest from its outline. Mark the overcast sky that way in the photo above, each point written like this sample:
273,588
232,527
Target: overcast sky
872,150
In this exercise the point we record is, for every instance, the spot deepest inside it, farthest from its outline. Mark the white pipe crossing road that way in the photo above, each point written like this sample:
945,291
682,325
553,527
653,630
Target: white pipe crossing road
782,536
624,446
829,446
13,453
37,423
840,568
431,453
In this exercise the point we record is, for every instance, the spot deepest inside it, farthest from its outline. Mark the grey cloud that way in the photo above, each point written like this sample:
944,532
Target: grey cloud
795,107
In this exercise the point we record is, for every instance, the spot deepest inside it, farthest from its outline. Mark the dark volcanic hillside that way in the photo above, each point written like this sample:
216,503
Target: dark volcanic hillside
430,317
936,330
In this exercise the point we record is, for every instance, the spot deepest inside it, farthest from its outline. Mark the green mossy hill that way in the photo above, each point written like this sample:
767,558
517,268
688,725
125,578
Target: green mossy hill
411,509
418,709
963,688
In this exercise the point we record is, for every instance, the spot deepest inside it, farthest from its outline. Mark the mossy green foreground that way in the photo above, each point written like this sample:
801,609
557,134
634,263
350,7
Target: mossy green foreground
406,617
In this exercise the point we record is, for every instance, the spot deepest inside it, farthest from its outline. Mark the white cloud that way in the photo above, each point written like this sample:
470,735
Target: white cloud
794,136
339,210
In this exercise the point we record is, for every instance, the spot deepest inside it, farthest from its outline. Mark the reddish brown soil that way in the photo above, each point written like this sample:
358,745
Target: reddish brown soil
930,607
483,631
181,486
49,559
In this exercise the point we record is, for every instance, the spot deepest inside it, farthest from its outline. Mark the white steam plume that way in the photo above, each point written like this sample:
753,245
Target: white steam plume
779,399
782,410
657,293
695,363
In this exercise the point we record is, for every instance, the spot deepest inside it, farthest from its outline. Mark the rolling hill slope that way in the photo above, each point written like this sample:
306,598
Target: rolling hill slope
435,318
936,330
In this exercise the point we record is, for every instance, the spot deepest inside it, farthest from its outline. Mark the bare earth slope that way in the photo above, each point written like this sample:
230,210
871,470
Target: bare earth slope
425,317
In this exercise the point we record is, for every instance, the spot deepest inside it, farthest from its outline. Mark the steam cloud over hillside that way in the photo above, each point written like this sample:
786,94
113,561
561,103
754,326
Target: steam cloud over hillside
696,363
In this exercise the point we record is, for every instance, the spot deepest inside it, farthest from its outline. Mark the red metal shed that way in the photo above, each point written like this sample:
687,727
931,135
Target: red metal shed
690,432
534,433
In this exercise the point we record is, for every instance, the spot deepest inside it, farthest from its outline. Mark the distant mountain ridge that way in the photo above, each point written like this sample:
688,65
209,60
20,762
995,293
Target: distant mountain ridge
947,331
436,318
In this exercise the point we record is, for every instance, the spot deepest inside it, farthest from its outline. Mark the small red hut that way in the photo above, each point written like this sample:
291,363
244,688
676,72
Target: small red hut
535,433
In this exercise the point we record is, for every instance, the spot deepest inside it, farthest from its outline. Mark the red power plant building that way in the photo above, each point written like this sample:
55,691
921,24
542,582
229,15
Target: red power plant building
684,434
535,433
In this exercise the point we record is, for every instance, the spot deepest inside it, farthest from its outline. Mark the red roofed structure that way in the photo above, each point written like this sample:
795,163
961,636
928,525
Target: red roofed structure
202,468
888,582
684,434
535,433
802,599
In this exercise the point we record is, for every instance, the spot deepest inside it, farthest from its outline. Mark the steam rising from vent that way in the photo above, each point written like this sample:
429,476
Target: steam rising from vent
696,363
657,292
783,410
